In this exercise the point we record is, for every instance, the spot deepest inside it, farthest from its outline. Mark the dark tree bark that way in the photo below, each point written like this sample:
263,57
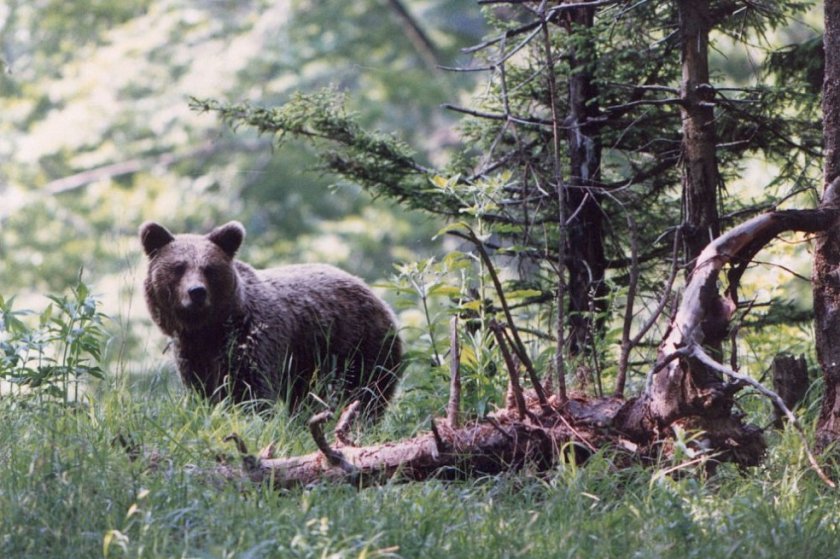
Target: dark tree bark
585,241
700,168
825,278
790,381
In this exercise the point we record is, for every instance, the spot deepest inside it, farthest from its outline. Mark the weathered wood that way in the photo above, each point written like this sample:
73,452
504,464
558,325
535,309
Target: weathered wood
682,387
342,428
514,387
453,407
498,443
790,382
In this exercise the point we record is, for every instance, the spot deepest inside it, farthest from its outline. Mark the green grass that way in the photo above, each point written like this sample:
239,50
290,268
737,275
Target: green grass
67,488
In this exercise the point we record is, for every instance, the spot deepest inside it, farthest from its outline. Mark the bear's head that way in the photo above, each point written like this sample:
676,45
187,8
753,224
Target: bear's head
192,280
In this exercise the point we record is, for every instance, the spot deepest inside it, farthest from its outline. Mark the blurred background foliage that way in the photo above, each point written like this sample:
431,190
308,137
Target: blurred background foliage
96,134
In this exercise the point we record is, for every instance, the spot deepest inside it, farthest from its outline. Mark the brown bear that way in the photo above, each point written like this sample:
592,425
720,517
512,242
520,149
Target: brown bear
261,335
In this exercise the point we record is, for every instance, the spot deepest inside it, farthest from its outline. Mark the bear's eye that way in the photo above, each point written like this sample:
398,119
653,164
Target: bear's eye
212,271
179,268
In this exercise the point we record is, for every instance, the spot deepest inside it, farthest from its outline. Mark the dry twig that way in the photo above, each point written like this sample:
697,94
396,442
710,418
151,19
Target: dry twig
454,405
342,428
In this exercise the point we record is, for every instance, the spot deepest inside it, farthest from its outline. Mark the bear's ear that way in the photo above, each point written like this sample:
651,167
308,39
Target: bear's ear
228,236
154,237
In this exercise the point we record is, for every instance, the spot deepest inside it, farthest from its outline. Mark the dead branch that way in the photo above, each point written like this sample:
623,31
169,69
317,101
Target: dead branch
241,447
738,244
334,457
688,386
318,435
624,356
660,306
702,356
506,35
454,405
513,370
342,428
559,186
496,116
497,444
535,381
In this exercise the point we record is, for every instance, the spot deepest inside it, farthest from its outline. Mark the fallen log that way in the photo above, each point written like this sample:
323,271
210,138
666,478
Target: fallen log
498,443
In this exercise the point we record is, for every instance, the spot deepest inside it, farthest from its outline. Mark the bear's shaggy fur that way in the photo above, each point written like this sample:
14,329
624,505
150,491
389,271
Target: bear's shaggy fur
248,334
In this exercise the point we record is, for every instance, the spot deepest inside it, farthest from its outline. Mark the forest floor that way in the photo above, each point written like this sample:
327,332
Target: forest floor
121,476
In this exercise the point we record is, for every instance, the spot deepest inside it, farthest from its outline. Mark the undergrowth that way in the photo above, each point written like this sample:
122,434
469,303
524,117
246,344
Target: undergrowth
118,470
119,476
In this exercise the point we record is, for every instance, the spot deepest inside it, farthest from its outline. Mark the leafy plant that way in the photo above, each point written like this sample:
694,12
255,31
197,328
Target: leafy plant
62,349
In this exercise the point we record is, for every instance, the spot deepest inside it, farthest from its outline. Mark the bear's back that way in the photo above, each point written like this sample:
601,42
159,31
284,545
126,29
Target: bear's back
307,287
317,312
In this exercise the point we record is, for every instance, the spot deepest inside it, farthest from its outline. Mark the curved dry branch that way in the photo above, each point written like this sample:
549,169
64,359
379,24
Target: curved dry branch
737,245
687,386
702,356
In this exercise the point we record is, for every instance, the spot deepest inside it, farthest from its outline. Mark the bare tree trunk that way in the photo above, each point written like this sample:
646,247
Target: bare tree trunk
700,170
825,280
585,243
681,387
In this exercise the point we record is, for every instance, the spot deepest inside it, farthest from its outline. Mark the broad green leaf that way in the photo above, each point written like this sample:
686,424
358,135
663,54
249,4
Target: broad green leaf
456,226
523,293
471,305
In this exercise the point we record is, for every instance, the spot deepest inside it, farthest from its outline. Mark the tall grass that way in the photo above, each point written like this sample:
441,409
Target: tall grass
119,476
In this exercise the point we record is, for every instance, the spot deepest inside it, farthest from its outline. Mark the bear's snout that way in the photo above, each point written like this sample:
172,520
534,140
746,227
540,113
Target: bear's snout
198,295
